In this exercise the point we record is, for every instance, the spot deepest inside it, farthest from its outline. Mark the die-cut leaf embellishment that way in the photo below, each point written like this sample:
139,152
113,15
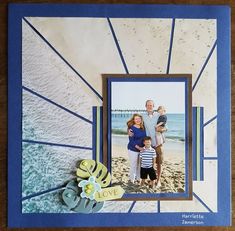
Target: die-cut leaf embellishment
72,198
89,168
88,206
87,193
70,194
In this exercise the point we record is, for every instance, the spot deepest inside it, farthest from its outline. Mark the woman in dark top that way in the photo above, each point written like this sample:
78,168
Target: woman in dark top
135,145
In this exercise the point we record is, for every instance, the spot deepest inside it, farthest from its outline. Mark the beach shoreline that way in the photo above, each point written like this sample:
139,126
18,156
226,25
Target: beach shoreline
171,147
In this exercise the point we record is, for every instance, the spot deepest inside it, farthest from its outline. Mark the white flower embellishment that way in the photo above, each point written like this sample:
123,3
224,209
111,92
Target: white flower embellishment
89,188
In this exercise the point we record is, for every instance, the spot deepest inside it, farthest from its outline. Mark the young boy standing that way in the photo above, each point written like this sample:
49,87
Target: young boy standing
147,162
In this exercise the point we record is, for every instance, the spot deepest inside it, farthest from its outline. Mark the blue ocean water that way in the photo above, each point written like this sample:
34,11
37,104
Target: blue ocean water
175,125
45,167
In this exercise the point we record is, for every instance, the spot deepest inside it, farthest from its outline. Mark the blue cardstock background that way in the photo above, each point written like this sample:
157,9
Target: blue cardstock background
16,13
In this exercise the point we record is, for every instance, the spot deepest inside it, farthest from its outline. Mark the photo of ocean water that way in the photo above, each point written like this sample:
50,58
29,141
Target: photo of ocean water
175,125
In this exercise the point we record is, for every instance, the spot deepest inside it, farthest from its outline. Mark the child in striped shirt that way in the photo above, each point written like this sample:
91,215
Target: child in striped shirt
147,162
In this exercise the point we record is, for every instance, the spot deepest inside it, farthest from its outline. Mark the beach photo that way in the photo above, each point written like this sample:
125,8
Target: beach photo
173,172
148,126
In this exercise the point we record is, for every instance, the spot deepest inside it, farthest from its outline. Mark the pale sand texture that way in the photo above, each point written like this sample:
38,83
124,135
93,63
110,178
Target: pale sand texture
173,174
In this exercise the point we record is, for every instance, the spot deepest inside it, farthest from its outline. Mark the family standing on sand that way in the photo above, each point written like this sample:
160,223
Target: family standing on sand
146,138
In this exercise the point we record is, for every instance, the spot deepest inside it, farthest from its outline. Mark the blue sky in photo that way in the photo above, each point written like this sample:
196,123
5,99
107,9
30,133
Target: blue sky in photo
133,95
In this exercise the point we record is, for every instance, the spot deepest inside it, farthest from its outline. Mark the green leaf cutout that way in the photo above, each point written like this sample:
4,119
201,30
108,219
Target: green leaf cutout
89,168
71,197
70,194
88,206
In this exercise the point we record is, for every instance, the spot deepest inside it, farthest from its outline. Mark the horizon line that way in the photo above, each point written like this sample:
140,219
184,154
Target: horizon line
140,110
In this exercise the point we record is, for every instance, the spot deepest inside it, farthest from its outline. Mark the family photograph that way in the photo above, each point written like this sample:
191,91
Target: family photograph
148,140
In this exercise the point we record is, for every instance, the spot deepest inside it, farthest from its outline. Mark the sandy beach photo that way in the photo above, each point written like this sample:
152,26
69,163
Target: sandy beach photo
173,172
148,136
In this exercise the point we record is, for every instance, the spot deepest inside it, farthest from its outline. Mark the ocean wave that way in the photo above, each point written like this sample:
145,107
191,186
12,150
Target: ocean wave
119,132
175,138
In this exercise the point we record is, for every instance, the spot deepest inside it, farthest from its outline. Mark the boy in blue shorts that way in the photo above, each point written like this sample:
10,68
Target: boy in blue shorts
147,162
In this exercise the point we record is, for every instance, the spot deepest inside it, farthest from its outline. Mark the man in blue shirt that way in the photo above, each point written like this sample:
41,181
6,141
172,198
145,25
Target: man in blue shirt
150,121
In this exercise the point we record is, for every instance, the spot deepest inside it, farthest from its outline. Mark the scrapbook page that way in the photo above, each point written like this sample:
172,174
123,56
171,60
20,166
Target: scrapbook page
119,115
